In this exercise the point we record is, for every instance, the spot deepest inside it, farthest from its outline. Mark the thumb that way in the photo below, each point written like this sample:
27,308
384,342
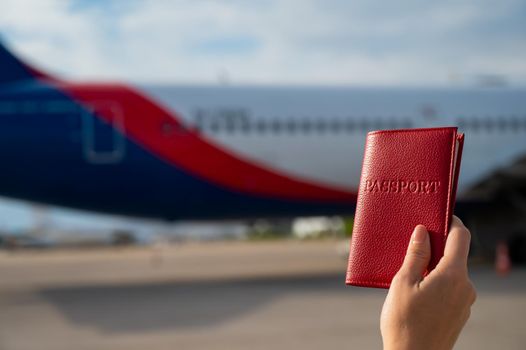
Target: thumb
417,256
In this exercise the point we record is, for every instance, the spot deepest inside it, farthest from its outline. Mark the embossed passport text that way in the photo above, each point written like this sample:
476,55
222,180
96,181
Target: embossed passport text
409,177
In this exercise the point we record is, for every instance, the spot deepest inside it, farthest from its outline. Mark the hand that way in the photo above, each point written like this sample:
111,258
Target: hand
429,312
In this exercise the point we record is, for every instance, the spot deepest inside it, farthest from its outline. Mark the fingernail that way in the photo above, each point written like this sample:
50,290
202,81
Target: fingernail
419,235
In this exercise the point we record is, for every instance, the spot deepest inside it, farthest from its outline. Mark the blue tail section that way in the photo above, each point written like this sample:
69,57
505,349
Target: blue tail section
12,69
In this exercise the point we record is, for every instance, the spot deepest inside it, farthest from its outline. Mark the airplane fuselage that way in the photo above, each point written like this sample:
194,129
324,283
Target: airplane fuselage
198,152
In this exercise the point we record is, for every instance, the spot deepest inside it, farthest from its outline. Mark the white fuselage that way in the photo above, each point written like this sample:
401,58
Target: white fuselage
318,134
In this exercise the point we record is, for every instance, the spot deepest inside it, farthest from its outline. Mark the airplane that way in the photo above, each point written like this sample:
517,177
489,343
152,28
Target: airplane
227,152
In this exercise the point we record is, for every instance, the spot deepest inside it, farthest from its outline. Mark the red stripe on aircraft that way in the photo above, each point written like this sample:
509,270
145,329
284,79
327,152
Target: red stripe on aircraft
162,133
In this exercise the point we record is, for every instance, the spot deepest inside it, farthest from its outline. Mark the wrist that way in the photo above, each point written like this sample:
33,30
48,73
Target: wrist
403,344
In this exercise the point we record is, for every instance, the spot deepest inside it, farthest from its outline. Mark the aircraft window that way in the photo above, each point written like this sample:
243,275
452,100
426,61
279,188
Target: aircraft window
514,123
306,126
169,128
321,125
276,126
291,126
245,126
504,123
462,123
364,125
230,126
335,125
501,123
182,128
406,123
475,124
349,125
393,123
214,127
371,124
261,126
199,117
198,125
378,124
488,124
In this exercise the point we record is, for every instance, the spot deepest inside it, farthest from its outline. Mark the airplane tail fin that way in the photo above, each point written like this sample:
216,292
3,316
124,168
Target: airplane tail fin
12,69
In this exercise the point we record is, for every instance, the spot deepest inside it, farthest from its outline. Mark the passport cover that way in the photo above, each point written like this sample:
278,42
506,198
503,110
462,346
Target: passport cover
409,177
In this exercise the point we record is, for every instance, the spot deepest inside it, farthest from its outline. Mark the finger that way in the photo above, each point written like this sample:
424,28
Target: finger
457,244
417,256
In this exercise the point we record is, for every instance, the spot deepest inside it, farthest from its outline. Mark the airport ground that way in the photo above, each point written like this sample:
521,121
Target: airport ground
219,295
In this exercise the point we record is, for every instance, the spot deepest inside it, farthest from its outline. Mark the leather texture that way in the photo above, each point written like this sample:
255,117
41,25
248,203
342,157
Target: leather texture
408,178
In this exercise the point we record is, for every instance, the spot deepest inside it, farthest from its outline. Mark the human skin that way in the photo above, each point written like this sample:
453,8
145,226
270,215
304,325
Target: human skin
429,312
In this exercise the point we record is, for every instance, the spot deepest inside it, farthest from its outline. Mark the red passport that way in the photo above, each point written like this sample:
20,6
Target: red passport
409,177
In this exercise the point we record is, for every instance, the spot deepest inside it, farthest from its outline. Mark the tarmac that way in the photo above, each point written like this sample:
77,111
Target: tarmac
219,295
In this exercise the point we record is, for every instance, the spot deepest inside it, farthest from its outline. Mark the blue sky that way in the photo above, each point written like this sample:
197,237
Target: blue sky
272,41
399,42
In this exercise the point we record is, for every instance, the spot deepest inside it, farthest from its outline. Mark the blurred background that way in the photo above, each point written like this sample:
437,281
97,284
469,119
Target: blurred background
232,232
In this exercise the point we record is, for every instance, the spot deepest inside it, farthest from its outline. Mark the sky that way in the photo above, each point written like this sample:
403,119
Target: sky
271,41
327,42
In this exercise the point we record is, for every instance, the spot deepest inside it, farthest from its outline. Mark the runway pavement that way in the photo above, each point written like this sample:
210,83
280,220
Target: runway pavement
238,295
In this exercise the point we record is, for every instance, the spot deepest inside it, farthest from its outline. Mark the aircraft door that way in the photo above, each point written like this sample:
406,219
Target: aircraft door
103,133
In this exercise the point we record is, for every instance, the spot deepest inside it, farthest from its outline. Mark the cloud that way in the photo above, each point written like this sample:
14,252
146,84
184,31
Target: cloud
400,42
287,41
